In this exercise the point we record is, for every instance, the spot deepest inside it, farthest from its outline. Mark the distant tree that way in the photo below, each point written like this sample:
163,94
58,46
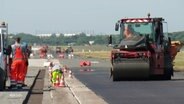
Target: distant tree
80,39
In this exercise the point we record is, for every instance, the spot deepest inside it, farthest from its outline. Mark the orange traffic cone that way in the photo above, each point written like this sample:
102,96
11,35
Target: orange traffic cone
70,74
62,83
56,84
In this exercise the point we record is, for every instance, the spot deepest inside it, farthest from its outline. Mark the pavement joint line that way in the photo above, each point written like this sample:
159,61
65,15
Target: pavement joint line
72,89
47,90
34,91
31,88
73,93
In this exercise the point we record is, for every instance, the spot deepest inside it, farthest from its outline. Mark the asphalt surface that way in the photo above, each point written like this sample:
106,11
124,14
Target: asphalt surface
127,92
97,79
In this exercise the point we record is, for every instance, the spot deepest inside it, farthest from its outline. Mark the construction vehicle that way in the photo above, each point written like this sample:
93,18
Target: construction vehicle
59,52
146,54
43,51
3,54
175,47
69,51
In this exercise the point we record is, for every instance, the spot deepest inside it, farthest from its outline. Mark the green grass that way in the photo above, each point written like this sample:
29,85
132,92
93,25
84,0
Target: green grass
86,48
94,51
91,48
95,54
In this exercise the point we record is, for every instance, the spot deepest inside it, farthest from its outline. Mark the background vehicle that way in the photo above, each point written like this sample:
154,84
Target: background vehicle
3,56
69,51
43,51
145,55
59,52
175,47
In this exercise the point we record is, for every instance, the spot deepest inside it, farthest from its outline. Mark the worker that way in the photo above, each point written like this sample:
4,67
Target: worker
27,51
110,40
56,74
18,65
69,52
128,34
128,31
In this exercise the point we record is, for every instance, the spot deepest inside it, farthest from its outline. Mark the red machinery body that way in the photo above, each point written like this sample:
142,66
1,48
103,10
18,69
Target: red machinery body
43,51
85,63
59,52
144,50
175,48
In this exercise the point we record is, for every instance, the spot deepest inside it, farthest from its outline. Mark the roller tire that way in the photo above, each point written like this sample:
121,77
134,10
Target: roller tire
113,75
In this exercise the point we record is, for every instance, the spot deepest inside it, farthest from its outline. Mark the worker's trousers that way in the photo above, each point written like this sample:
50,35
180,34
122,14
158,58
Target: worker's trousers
17,73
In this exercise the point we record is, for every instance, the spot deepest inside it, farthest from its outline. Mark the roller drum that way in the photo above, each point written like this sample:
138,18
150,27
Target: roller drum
131,70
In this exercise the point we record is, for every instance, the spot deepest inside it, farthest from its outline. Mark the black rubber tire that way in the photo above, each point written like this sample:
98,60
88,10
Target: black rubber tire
115,78
114,75
2,80
168,71
2,84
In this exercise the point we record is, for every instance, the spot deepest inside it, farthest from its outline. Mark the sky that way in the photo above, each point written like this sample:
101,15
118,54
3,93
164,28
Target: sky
90,16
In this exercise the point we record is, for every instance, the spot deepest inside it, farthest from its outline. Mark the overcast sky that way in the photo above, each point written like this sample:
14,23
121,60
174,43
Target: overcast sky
91,16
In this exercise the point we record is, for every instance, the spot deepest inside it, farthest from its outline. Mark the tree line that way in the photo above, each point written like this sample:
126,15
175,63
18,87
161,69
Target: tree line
80,39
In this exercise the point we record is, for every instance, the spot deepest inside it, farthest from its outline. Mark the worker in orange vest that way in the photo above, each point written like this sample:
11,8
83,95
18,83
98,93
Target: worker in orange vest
18,65
28,52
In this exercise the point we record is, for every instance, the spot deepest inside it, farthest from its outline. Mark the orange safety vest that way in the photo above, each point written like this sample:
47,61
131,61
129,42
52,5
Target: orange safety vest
18,53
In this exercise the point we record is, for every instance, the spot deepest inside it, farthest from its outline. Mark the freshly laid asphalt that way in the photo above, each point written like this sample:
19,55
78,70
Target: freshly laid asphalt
128,92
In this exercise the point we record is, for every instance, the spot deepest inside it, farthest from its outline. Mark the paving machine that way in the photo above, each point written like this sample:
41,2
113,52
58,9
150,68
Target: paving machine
144,55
